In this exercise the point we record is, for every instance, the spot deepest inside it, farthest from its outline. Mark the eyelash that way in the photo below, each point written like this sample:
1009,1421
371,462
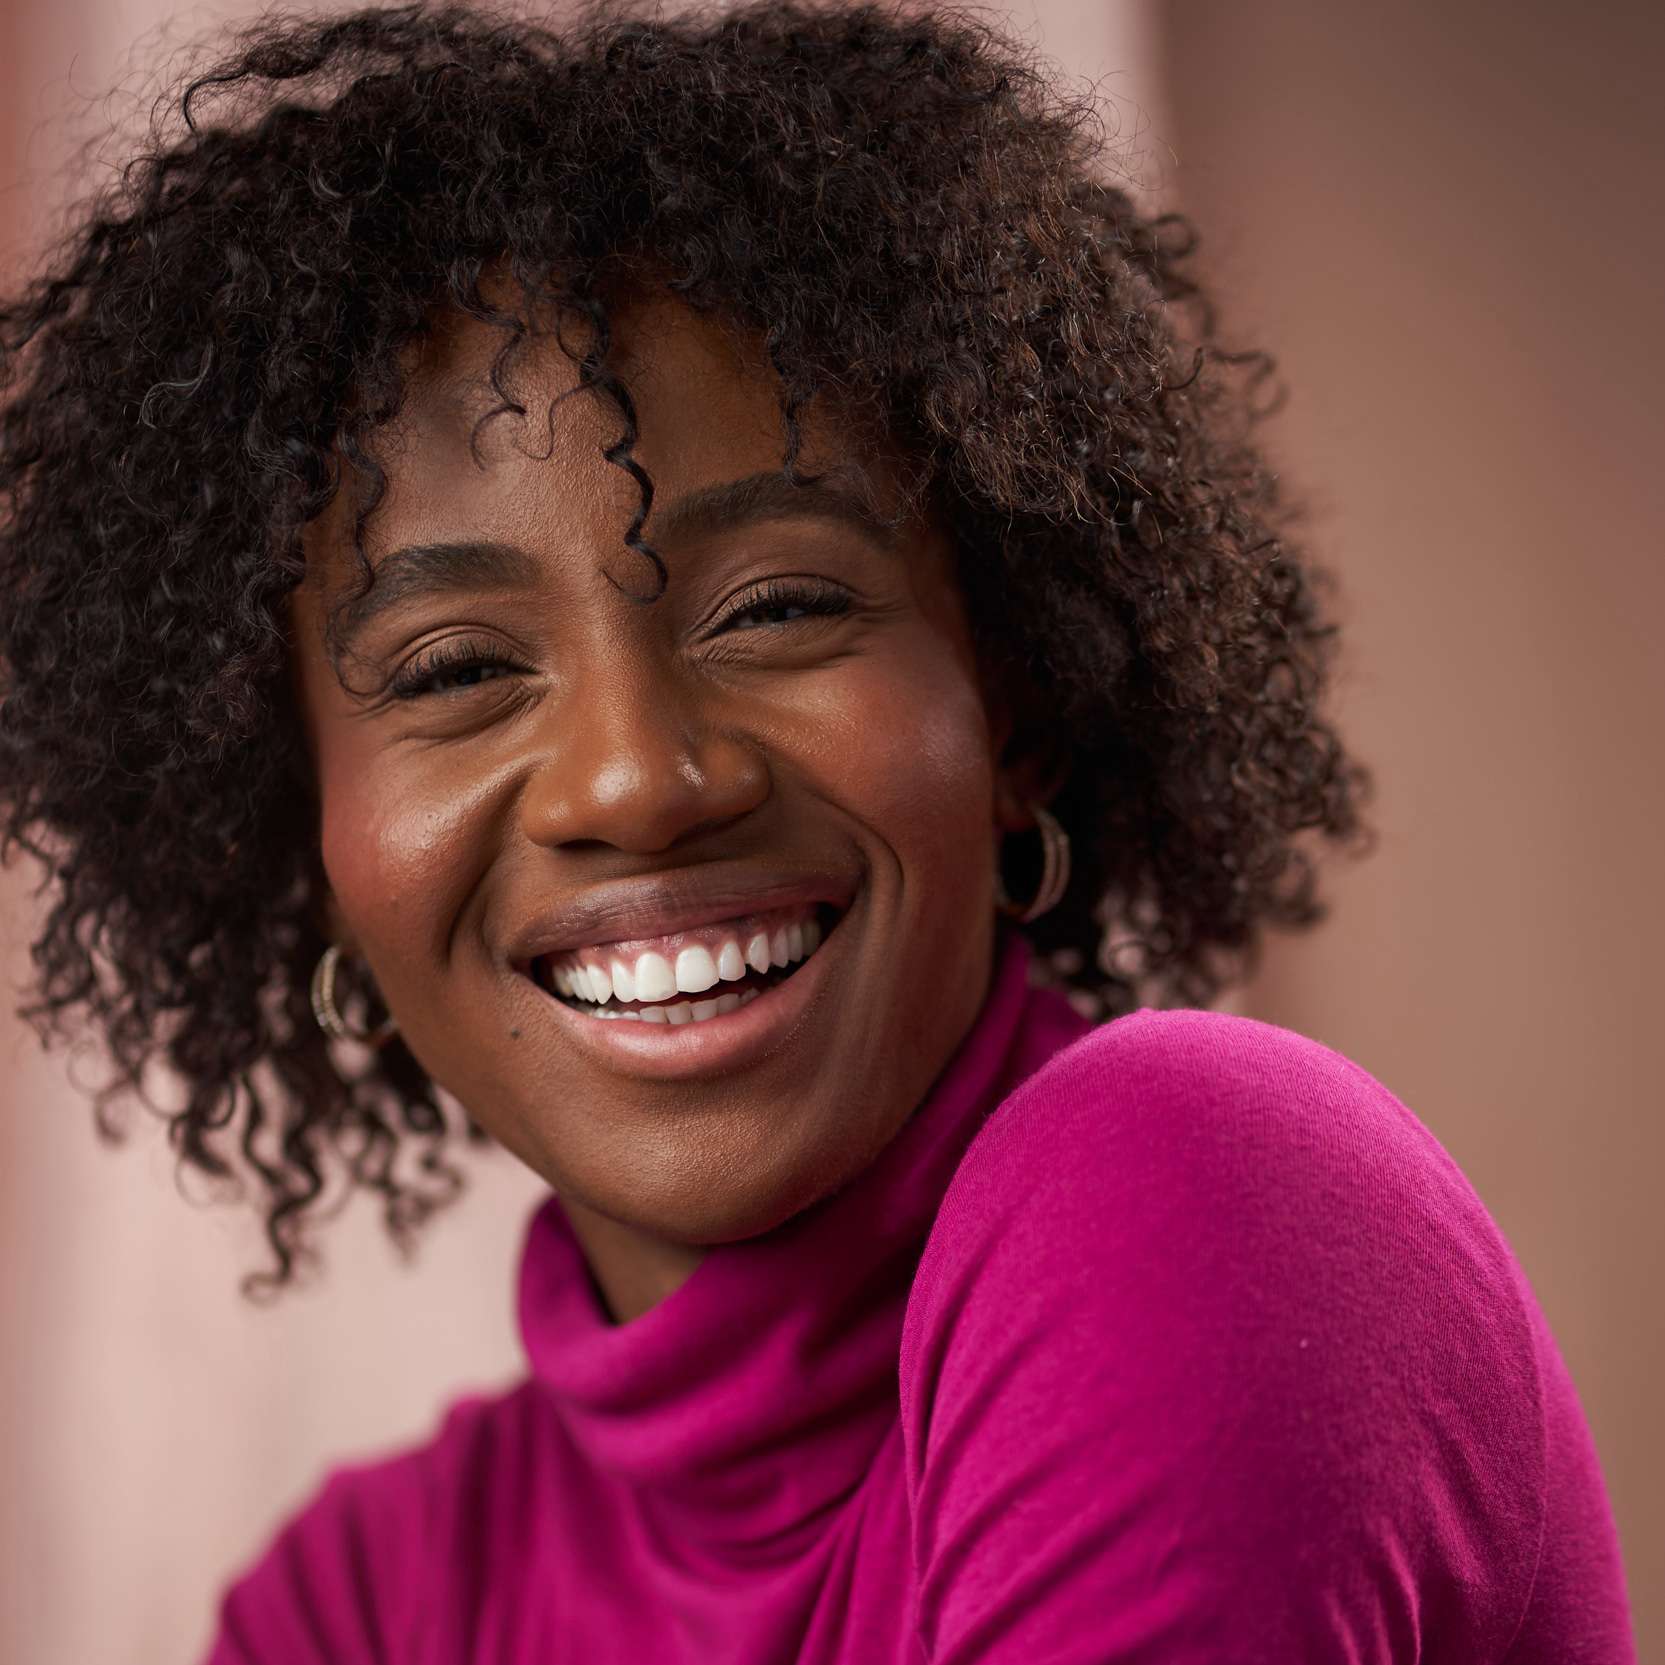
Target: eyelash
420,676
812,595
449,658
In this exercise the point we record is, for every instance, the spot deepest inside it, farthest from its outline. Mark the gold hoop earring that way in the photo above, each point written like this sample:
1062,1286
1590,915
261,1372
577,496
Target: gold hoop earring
329,1017
1055,870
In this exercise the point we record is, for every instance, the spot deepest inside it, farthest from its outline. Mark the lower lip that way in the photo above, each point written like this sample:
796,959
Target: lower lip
714,1045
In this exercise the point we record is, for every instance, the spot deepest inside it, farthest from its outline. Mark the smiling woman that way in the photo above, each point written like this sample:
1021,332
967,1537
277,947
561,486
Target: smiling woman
594,559
522,758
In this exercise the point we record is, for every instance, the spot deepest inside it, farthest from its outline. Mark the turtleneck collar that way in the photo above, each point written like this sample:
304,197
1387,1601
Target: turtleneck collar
756,1395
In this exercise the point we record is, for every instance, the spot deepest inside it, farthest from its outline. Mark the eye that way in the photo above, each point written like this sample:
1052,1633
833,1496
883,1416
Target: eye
456,666
809,597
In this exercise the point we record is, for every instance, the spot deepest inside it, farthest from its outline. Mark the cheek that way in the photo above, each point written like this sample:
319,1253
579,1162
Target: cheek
396,856
908,752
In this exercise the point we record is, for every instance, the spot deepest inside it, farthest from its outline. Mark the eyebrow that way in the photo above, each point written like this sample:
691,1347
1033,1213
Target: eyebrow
420,570
839,494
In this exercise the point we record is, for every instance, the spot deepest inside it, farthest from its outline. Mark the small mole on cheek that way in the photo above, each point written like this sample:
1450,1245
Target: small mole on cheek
514,1034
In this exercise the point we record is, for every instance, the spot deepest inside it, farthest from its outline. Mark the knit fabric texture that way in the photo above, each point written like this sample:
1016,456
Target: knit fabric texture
1172,1339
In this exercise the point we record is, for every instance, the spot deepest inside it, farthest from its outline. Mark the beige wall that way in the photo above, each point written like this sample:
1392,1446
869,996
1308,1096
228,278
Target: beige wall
1440,236
1445,222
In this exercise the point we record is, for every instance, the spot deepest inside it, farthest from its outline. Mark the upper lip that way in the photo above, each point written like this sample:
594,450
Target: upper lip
667,902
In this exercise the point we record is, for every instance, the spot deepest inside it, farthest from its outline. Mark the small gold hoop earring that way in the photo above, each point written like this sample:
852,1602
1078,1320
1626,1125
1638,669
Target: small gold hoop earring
1055,870
329,1017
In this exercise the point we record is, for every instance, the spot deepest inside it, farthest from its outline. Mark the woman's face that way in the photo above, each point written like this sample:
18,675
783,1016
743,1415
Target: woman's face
600,780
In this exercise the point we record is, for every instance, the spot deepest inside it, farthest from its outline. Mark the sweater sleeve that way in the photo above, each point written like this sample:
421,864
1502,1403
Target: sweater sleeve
1214,1355
333,1582
347,1578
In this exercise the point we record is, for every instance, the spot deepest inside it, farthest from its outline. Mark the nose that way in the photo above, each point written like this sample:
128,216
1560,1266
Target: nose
639,763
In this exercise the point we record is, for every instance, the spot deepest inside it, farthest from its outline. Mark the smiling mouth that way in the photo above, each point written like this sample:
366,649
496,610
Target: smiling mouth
728,994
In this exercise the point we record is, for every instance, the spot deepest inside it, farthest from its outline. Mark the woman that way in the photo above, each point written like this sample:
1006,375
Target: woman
693,598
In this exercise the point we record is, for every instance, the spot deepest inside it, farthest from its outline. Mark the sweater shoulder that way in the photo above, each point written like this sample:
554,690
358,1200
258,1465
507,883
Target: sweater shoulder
1218,1108
1225,1264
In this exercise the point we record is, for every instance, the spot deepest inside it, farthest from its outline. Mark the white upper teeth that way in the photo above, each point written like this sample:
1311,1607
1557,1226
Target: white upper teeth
650,976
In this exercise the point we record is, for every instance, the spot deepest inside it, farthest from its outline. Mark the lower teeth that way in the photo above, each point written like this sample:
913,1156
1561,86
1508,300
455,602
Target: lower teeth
684,1011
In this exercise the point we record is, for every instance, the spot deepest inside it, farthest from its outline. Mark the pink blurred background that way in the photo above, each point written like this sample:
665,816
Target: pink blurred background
1444,222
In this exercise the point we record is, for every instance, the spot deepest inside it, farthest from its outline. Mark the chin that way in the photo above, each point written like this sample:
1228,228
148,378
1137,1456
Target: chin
726,1197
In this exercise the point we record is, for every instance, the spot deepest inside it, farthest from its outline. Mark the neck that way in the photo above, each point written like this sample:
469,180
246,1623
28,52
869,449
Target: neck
631,1270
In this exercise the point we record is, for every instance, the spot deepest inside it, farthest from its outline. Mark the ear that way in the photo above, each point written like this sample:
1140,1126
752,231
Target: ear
1030,756
325,911
335,926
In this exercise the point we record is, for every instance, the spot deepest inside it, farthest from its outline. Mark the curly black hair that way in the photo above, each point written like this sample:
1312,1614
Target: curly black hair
917,217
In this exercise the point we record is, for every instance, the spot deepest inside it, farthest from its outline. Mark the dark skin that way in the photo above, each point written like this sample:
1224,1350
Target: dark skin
619,741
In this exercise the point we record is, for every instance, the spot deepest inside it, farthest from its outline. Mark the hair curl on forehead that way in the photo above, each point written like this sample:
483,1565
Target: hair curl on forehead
908,211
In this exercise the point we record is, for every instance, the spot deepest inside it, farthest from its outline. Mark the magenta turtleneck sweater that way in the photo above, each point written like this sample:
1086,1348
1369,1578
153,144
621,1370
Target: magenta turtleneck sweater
1177,1340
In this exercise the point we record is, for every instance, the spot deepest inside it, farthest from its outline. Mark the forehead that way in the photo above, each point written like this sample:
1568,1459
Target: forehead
706,408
